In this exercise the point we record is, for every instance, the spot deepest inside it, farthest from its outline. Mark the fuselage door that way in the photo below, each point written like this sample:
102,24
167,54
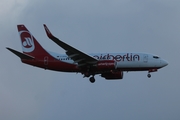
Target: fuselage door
145,58
46,60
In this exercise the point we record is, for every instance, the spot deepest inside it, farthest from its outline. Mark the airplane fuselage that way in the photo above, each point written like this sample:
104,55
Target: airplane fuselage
124,61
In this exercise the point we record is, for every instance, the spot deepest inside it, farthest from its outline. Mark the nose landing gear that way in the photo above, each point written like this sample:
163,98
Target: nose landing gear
151,70
148,75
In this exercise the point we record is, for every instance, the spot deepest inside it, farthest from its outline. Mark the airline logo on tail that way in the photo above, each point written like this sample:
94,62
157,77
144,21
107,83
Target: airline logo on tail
27,41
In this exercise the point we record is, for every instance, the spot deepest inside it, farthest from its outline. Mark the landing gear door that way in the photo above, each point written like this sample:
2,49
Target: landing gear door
145,58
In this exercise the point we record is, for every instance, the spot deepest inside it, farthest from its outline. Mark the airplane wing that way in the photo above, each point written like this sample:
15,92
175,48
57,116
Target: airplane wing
77,56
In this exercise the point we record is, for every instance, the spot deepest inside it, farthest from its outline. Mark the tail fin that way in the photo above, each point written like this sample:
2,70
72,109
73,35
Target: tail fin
30,45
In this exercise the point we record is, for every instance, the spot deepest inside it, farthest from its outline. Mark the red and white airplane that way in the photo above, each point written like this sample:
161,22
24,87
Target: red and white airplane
108,65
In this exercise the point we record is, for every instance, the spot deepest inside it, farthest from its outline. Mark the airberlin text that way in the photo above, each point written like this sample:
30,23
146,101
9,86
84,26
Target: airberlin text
125,57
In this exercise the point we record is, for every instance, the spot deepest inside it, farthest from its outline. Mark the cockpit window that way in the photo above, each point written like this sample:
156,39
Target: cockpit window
156,57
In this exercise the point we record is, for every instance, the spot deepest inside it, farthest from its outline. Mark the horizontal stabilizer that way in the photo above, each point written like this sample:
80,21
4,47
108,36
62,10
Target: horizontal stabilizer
21,55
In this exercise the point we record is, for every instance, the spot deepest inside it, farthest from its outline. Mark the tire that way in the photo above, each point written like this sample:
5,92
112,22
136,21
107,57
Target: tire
92,79
149,75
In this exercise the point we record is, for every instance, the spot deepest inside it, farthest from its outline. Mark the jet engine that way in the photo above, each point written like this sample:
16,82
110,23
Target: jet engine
113,75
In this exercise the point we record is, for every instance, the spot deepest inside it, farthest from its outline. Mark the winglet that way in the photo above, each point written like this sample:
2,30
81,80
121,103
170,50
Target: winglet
49,34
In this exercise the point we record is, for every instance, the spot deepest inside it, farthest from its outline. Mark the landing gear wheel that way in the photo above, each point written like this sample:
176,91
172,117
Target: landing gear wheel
92,79
149,75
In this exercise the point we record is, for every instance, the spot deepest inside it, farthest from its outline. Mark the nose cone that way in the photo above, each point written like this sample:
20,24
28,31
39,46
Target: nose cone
164,63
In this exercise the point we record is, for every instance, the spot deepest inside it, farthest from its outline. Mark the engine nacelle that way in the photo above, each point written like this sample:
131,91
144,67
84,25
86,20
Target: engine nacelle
113,75
106,65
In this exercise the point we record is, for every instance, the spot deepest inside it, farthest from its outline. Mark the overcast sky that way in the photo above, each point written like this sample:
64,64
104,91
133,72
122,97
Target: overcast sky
30,93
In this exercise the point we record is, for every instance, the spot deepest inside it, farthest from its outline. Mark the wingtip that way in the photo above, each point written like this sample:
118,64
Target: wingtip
21,25
48,32
8,48
44,25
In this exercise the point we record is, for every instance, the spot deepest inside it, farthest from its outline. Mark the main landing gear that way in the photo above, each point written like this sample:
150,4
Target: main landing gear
88,74
92,79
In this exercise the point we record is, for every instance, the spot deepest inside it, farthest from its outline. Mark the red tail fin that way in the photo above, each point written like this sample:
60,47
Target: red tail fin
30,45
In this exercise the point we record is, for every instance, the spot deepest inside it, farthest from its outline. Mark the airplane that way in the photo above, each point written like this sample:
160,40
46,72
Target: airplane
110,66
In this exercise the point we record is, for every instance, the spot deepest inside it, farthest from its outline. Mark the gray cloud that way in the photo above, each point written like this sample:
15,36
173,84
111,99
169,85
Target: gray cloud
149,26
